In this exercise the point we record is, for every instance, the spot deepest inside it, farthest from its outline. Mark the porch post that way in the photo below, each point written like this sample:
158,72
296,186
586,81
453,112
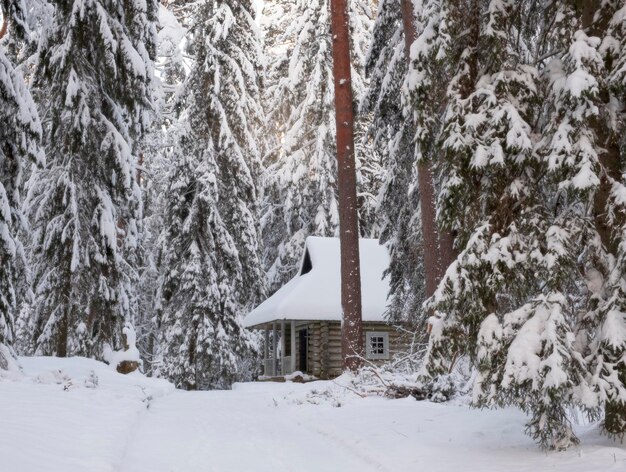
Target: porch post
283,338
293,345
266,350
274,346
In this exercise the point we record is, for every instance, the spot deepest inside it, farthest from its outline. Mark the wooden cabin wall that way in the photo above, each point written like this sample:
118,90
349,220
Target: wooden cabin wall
324,346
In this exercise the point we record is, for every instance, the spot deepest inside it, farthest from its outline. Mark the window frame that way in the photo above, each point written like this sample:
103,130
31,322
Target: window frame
368,344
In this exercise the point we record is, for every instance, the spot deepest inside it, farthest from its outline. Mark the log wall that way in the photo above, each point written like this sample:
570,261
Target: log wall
324,346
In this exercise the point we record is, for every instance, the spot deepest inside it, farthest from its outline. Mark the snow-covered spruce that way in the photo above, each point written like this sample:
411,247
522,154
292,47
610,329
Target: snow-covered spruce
20,135
390,130
300,189
610,343
536,296
509,301
586,155
94,77
210,271
156,144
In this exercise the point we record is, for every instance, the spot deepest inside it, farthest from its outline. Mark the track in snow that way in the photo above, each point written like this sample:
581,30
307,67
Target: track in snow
232,431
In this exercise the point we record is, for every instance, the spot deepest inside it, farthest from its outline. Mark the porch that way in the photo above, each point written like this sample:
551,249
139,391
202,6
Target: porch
285,348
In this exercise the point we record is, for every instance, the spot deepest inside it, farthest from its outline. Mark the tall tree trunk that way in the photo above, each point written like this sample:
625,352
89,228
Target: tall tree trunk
3,26
447,252
352,326
62,335
438,248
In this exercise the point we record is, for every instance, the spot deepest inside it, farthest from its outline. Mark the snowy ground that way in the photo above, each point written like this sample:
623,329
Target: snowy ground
65,422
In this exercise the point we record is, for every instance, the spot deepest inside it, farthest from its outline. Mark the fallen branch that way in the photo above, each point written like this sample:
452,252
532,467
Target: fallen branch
402,391
351,389
393,390
375,372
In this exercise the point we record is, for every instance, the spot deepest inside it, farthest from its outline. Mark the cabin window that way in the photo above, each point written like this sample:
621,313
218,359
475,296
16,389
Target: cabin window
377,345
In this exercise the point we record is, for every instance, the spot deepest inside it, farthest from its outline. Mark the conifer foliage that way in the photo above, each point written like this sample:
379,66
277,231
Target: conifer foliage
531,185
20,135
392,135
95,79
209,249
300,178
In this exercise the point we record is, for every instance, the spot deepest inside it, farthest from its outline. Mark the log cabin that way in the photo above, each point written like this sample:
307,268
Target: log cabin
302,320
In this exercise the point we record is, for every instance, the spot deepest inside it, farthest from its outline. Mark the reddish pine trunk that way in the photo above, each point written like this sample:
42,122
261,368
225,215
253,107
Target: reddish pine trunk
352,326
438,249
4,25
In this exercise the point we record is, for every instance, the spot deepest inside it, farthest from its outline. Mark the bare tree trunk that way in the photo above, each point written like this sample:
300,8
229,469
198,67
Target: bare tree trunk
4,26
62,336
433,243
352,326
447,252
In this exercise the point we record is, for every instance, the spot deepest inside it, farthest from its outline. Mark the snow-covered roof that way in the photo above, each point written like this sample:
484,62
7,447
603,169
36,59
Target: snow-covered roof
315,293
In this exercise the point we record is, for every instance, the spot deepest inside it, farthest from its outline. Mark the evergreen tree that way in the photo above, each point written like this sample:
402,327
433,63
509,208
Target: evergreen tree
95,78
300,196
20,135
211,273
391,133
174,20
504,301
588,140
610,346
531,182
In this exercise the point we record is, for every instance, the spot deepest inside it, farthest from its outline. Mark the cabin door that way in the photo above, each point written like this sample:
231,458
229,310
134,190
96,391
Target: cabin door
303,336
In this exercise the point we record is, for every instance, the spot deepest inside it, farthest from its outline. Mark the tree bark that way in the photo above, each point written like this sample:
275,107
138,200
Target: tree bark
352,326
438,247
3,26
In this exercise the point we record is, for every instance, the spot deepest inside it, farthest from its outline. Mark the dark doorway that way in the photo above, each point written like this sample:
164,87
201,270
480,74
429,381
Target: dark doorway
303,336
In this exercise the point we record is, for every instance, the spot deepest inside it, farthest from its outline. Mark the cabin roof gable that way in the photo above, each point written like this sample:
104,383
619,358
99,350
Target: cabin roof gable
315,292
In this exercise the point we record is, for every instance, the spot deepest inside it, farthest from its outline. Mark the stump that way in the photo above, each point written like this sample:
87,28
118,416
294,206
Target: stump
126,367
